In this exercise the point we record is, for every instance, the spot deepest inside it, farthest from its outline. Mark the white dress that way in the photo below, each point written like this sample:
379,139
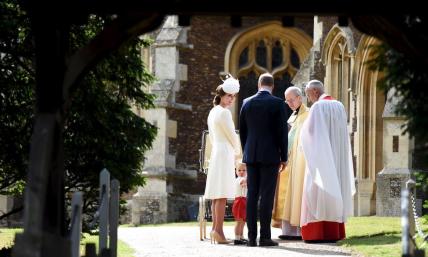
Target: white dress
225,147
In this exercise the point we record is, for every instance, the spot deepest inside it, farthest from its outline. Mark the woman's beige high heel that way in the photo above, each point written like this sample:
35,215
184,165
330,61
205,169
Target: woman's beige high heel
218,239
211,236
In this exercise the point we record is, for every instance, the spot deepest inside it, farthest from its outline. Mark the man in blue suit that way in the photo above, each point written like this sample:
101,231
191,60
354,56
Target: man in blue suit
263,132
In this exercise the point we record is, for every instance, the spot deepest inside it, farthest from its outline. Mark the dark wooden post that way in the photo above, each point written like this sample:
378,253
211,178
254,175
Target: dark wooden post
44,213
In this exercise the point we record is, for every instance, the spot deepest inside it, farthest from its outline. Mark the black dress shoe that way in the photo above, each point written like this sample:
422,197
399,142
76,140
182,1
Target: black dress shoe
284,237
251,242
240,242
267,242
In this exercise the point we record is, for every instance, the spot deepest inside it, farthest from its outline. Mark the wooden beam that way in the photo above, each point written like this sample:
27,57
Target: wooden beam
108,40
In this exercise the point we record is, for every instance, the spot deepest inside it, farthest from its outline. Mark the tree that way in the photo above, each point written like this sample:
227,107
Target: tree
101,130
16,96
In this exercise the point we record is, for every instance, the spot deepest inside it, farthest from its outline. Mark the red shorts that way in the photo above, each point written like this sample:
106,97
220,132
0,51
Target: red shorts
239,208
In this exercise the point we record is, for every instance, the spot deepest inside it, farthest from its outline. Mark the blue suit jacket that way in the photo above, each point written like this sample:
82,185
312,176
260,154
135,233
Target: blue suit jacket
263,129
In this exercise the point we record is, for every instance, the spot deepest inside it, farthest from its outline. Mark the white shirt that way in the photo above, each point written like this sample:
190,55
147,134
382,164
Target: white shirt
266,89
240,191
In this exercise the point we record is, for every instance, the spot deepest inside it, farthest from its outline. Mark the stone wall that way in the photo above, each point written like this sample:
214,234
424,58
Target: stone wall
149,204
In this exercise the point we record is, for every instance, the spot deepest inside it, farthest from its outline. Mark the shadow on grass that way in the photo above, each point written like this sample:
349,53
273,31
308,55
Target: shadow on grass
377,239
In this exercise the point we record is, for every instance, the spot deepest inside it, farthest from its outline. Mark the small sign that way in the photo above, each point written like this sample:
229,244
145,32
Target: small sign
395,144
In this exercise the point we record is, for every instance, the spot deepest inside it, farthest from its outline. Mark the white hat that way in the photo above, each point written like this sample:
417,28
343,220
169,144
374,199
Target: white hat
230,85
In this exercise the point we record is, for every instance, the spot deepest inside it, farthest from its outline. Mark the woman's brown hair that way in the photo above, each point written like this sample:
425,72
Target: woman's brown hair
218,94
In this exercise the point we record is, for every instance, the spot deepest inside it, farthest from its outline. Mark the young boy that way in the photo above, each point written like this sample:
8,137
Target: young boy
240,203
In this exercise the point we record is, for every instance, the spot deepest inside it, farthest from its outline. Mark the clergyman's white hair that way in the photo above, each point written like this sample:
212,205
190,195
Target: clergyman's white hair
315,84
296,91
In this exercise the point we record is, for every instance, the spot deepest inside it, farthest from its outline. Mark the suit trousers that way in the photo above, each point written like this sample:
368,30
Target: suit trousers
261,183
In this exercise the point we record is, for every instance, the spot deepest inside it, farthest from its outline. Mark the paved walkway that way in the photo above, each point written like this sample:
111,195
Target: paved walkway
183,241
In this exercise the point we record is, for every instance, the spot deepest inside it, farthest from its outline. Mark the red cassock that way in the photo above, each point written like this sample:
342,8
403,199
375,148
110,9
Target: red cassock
323,230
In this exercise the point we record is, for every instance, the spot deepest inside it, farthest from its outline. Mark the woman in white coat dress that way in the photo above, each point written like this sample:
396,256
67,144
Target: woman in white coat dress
225,150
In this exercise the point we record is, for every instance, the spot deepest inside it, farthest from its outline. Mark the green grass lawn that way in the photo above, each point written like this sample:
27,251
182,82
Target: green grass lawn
375,236
8,235
123,250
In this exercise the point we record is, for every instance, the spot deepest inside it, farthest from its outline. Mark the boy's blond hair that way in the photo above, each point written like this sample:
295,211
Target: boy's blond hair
239,163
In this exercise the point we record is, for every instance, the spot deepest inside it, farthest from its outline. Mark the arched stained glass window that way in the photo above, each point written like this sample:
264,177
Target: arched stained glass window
247,87
261,54
277,56
282,82
294,57
267,47
243,58
273,55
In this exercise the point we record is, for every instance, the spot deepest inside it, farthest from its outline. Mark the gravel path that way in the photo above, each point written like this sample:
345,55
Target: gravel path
183,241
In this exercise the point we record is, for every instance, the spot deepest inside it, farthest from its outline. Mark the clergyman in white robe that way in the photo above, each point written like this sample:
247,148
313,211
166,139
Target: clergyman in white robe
329,177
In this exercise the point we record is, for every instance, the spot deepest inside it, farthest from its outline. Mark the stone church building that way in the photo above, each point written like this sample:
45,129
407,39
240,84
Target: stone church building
188,62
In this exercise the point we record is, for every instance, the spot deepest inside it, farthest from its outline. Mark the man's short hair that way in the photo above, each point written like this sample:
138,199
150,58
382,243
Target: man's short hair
315,84
296,91
266,79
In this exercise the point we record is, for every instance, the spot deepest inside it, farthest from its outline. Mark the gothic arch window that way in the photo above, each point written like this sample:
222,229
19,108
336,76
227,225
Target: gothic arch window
266,48
371,103
268,54
341,73
338,58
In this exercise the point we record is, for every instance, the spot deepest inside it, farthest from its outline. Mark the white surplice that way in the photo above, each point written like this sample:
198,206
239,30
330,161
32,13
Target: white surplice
329,177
